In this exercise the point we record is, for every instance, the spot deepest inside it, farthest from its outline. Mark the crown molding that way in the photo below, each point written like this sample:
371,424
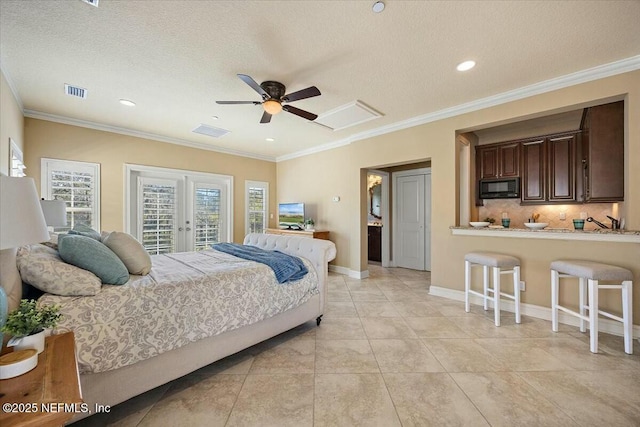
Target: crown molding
599,72
138,134
12,87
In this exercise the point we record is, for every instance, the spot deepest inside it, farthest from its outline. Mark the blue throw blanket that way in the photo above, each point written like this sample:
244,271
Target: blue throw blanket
286,267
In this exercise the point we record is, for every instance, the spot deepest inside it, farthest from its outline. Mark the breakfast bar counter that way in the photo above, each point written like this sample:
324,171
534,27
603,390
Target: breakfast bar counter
598,235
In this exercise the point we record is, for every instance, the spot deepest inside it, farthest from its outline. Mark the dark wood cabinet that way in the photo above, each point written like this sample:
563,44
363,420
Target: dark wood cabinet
375,243
561,151
533,171
603,153
498,160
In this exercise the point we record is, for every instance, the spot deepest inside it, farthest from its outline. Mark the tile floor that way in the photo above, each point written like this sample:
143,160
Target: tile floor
388,354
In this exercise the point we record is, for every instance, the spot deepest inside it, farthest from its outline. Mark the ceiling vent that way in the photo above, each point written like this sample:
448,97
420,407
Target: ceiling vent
91,2
211,131
347,115
76,91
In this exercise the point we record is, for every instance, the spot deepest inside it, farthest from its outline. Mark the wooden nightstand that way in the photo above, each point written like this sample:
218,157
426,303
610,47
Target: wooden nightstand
48,395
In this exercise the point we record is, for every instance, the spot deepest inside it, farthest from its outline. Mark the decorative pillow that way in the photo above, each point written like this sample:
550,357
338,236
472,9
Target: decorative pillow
130,251
85,230
41,267
90,254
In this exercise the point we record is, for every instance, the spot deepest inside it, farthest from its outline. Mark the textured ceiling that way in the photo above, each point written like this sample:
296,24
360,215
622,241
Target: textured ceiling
176,58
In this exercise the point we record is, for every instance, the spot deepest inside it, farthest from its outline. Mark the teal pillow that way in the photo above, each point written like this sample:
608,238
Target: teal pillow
90,254
85,230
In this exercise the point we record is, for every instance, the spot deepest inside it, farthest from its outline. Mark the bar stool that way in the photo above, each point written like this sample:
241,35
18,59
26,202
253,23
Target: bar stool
500,264
592,273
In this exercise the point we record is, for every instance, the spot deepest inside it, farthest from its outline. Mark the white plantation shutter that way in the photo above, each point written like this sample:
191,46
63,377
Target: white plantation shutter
78,184
158,214
207,216
257,205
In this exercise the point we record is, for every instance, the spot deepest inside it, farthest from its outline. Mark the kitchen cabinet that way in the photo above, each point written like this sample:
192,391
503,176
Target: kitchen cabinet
498,160
603,153
534,182
561,151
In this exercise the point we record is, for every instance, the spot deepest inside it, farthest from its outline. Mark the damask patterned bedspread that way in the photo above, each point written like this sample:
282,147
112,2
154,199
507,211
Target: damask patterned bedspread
186,297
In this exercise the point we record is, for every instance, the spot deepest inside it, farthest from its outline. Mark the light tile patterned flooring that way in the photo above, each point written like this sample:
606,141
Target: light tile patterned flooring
388,354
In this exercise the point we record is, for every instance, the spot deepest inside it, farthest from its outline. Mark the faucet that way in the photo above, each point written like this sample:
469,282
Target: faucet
615,224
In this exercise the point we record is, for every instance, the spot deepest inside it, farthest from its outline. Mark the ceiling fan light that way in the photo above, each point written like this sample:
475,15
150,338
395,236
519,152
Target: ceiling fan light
272,107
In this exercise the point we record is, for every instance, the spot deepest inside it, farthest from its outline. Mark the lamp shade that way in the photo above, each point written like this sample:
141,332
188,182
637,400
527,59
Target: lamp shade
55,212
21,218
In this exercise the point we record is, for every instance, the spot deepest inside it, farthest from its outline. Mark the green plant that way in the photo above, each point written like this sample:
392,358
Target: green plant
28,319
309,221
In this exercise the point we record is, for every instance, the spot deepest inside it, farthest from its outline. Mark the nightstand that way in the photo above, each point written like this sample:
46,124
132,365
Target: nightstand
48,395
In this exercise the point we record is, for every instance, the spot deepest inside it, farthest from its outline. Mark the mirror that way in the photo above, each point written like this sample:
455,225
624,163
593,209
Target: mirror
375,199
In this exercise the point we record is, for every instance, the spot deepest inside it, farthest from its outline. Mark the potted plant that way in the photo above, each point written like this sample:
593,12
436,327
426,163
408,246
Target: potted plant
27,323
309,223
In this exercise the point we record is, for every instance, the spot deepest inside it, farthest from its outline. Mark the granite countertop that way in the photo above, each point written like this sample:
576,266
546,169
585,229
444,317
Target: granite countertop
600,234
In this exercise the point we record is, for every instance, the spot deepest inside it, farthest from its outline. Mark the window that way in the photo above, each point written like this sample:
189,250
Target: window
257,205
17,162
78,184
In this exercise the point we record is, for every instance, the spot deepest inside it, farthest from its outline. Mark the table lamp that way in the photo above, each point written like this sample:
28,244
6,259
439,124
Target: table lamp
21,223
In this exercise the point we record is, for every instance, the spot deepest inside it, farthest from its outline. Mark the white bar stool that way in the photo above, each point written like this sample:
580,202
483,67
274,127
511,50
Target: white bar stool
591,273
500,264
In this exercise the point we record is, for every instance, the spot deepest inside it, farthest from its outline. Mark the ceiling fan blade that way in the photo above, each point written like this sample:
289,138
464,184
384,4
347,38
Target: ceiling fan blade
255,86
238,102
266,118
302,94
298,112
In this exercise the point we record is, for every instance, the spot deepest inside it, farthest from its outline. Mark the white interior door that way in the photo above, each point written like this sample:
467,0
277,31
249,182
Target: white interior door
412,232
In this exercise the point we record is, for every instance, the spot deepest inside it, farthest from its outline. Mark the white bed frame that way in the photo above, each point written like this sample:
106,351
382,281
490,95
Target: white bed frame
113,387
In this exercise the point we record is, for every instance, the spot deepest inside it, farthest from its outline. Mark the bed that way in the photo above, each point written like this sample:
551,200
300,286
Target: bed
159,327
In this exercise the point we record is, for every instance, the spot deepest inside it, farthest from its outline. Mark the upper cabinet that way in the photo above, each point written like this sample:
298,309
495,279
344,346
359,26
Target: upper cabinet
498,161
578,166
603,153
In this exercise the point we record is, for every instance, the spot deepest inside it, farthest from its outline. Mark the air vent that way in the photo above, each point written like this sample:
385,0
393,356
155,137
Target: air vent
211,131
91,2
76,91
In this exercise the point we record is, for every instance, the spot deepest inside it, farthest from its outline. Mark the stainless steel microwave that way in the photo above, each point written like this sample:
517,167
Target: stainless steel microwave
499,188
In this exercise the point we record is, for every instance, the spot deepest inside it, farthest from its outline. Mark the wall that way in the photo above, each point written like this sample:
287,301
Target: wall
112,151
338,172
11,124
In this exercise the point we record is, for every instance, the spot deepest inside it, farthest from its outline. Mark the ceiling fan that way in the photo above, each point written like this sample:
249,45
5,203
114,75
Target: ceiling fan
273,97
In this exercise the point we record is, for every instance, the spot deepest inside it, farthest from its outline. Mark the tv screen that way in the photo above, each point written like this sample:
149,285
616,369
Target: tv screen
291,215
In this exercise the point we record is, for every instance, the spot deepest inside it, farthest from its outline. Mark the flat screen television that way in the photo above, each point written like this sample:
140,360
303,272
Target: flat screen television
291,215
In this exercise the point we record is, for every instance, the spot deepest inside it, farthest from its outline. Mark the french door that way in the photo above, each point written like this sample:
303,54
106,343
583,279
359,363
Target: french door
177,213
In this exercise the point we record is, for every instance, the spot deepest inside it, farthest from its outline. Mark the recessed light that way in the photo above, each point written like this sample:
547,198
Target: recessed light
378,7
127,103
270,139
466,65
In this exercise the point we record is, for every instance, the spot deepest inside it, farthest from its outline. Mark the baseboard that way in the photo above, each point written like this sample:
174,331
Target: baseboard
348,272
539,312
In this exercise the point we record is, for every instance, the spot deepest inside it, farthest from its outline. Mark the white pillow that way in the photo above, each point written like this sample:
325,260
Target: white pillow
41,267
130,251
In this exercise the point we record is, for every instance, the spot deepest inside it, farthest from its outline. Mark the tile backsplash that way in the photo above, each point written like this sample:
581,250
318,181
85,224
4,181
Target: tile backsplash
548,213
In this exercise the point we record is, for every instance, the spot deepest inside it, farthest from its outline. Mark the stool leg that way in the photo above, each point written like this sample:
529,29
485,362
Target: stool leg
496,295
516,291
627,313
593,315
583,303
485,280
467,285
555,284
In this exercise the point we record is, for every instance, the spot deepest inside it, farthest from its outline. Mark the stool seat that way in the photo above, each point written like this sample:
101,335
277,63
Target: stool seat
591,270
492,259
